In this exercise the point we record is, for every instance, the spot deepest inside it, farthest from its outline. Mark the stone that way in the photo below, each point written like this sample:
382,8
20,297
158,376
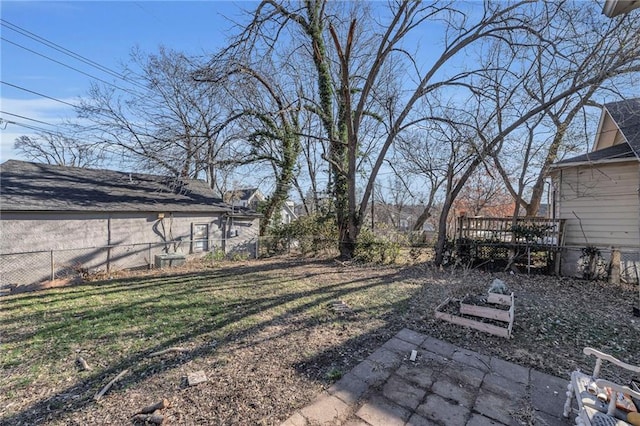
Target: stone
403,393
196,378
502,386
439,347
371,373
548,393
327,409
418,420
496,407
512,371
296,419
399,346
411,336
479,420
418,375
461,393
465,374
349,388
473,359
379,411
385,358
440,410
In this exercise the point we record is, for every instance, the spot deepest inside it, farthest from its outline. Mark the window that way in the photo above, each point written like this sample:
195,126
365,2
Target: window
199,237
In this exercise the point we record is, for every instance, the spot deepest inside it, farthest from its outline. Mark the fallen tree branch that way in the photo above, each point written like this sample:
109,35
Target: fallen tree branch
157,406
156,419
168,350
106,388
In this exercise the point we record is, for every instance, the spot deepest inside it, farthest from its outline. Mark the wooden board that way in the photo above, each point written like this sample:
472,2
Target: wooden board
485,312
506,316
500,299
467,322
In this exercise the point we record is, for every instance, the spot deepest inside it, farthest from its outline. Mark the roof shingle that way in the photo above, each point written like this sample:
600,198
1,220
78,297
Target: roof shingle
626,114
28,186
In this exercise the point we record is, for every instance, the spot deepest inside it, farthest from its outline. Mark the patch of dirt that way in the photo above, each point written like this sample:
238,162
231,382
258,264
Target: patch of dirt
261,379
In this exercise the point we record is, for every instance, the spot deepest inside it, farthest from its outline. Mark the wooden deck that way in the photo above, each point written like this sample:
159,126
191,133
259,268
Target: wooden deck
535,233
491,240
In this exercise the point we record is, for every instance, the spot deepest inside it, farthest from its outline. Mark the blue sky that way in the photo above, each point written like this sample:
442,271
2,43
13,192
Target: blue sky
103,32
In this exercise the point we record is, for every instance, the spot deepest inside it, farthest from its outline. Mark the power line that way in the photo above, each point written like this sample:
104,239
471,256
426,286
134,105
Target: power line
27,126
26,118
67,52
59,48
37,93
99,113
66,65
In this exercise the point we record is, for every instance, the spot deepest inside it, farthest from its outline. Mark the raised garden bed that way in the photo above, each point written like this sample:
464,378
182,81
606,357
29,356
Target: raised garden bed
493,314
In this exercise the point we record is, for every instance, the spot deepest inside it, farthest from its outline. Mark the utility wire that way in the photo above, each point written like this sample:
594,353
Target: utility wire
26,118
68,66
102,114
59,48
37,93
28,126
67,52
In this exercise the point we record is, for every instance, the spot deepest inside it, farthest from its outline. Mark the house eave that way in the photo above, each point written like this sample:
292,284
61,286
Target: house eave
613,8
558,166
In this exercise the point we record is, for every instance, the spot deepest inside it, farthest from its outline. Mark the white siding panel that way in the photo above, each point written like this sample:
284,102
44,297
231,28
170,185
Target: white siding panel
605,199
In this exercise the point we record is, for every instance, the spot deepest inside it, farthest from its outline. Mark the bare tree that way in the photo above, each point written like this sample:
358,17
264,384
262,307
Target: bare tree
61,150
166,123
581,46
348,94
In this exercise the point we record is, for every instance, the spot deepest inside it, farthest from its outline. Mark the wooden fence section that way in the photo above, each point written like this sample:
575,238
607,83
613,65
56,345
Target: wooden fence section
502,231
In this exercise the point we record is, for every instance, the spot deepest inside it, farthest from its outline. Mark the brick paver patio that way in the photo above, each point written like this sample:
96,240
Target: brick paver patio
445,385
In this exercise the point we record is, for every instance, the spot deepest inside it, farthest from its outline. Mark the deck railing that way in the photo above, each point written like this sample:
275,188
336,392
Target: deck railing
530,231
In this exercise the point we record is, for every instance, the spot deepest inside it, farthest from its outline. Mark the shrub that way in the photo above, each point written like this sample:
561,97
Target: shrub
370,249
216,255
309,234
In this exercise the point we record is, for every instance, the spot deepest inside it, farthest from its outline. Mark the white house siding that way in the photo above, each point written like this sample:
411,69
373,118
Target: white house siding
32,241
601,208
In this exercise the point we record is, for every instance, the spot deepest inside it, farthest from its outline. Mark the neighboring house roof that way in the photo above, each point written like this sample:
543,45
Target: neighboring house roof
243,194
290,209
626,115
42,187
618,7
616,152
626,118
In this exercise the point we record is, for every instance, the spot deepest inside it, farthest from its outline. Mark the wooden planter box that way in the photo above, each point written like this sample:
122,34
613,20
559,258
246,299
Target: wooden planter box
487,312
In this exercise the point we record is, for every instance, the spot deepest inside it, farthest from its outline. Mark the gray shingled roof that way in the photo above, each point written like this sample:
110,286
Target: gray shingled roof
626,114
42,187
242,194
619,151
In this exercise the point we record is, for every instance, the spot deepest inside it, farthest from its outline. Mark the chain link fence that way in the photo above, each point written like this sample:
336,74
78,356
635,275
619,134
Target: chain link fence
31,268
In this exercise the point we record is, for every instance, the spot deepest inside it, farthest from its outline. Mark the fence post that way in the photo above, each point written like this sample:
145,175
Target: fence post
52,267
150,263
108,259
614,273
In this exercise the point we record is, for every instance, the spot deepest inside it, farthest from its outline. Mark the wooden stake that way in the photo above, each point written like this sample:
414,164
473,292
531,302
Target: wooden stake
106,388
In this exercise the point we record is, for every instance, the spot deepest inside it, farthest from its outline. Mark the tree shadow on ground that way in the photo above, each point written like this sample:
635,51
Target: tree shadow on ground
81,395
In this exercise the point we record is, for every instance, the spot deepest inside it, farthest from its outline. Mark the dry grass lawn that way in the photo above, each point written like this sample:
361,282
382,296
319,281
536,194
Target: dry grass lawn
263,333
